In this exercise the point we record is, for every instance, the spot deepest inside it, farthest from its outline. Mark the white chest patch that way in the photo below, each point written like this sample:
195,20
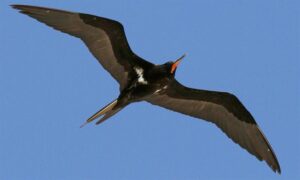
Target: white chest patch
140,73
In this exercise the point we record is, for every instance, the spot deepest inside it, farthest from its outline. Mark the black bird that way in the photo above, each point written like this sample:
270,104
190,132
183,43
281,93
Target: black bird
141,80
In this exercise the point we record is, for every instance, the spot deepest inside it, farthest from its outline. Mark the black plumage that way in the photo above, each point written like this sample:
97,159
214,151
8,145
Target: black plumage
141,80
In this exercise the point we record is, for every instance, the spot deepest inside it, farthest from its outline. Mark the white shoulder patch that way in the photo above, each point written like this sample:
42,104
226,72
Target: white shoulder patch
140,73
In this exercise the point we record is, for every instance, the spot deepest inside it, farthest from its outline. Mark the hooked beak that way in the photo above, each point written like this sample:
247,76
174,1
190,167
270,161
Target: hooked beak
176,63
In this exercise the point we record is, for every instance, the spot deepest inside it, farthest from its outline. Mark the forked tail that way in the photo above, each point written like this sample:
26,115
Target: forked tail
107,111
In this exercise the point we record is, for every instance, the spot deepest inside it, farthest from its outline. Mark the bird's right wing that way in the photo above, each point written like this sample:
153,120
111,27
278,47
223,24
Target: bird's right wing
222,109
104,37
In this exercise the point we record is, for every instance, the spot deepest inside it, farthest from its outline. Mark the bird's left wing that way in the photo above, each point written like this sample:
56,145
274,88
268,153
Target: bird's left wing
104,37
222,109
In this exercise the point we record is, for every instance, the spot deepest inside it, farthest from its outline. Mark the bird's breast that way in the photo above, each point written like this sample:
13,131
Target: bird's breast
140,75
145,83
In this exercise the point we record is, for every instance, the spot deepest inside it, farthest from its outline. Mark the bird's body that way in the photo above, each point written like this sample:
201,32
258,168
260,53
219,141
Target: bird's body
141,80
144,83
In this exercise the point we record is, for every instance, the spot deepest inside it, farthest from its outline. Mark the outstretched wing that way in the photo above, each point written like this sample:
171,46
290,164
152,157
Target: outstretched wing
105,38
224,110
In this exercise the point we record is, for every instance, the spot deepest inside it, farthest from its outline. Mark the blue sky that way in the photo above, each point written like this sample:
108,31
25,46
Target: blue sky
50,84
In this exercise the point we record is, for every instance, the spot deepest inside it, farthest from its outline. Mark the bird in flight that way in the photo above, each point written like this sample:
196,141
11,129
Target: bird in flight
141,80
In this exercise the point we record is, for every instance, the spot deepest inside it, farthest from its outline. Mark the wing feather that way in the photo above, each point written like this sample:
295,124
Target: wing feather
105,38
222,109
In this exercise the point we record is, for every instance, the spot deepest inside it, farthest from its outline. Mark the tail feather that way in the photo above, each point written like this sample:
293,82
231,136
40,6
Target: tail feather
101,112
108,115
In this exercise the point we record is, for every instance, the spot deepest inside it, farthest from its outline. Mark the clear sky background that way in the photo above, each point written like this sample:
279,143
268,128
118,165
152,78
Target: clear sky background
50,84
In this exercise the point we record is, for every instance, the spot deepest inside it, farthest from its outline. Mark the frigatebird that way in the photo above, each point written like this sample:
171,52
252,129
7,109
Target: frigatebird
141,80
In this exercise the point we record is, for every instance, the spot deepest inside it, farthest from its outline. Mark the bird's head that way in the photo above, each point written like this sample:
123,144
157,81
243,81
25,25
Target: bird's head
172,66
167,69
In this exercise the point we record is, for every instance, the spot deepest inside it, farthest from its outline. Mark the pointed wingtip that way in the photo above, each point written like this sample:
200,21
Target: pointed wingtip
16,6
278,170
